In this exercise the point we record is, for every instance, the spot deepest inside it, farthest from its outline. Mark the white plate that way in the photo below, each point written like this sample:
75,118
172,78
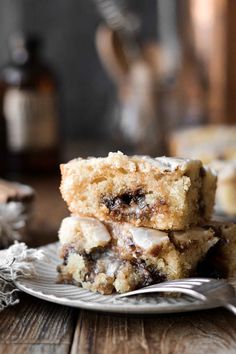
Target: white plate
45,287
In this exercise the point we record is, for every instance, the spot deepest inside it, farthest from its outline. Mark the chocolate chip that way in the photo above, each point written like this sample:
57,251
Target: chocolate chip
125,199
157,277
111,203
66,251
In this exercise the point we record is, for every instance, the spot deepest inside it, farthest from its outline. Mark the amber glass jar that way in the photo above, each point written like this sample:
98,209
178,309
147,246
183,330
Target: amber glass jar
28,105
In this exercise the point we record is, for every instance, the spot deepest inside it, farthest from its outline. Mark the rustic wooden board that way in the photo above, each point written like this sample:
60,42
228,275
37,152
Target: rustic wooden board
196,333
36,326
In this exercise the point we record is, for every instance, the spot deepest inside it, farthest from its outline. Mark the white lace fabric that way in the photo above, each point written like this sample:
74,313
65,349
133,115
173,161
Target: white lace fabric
18,260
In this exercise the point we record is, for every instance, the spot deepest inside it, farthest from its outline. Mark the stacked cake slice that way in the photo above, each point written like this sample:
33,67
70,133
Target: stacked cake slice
135,220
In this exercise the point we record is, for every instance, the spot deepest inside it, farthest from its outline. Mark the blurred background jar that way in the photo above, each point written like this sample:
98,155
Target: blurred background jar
29,111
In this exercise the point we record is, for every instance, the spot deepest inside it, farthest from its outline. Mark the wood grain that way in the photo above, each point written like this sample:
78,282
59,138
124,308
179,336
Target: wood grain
36,326
202,332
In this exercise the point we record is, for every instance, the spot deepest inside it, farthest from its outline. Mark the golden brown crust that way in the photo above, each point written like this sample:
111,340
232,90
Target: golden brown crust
161,193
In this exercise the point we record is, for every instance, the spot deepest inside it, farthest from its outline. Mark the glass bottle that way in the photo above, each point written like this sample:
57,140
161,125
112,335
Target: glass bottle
28,104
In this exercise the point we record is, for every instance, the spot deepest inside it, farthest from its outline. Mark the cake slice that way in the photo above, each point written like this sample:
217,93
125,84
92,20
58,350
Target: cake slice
226,186
221,260
161,193
205,142
108,257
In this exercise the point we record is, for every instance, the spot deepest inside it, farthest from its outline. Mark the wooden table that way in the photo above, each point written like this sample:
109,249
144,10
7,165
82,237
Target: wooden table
37,326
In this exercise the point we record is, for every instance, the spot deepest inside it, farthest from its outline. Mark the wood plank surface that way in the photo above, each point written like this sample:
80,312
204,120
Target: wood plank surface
36,326
212,331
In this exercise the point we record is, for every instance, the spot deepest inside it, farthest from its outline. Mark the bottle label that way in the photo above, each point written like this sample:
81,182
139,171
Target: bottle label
31,120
